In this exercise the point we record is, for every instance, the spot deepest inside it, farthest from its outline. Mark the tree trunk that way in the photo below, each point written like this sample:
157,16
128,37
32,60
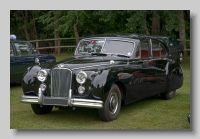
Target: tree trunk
155,23
76,33
35,30
57,42
145,24
182,30
56,34
25,15
92,31
188,13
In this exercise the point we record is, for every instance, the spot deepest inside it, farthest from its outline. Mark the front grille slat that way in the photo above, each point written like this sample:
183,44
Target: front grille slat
60,82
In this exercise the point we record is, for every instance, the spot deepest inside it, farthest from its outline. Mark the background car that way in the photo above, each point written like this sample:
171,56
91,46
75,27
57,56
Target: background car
22,56
105,72
175,48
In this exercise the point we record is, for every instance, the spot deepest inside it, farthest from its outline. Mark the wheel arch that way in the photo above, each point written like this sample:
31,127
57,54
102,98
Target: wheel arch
122,90
175,77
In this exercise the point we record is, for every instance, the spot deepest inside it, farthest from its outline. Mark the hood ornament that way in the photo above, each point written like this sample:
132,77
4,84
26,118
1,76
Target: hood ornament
112,62
60,65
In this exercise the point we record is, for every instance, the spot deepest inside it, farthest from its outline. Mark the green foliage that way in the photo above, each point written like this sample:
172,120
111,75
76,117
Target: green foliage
135,22
90,22
172,22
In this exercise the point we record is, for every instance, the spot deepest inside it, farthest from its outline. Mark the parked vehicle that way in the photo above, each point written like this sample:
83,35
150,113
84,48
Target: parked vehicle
22,56
175,48
105,72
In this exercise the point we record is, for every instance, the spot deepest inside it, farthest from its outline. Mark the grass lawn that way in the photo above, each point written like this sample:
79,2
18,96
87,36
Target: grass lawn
152,113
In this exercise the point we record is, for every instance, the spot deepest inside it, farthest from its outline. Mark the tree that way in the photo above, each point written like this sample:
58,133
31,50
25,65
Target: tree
28,24
155,30
182,34
137,22
175,22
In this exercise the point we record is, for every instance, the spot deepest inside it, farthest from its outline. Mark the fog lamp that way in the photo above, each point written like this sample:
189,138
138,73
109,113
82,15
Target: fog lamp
43,87
81,89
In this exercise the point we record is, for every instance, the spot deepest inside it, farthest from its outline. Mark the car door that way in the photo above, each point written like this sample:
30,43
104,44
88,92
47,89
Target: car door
21,60
13,63
159,54
145,75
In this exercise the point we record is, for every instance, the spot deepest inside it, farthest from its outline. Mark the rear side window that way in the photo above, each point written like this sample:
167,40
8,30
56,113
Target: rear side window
143,50
158,49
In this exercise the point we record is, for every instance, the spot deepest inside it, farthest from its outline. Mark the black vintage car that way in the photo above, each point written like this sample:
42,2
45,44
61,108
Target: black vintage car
22,56
105,72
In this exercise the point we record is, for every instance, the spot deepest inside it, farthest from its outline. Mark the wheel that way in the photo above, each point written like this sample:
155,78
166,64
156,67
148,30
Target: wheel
41,110
168,95
112,105
181,58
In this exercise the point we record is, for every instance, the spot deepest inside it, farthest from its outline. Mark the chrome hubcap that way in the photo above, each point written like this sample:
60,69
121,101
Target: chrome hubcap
113,103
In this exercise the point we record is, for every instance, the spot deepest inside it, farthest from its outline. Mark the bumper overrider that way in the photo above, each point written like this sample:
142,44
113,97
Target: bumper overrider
61,101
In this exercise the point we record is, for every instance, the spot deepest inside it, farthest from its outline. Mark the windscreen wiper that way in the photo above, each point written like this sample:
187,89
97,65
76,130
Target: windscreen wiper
121,55
98,54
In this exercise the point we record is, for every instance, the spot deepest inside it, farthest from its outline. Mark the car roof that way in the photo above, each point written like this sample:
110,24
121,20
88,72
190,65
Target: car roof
128,35
18,40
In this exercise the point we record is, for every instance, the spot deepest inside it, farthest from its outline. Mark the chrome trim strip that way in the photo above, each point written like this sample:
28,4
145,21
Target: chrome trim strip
69,98
29,99
87,103
40,95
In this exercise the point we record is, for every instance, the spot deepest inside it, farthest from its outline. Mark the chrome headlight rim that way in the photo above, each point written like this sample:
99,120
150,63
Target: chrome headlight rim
42,75
81,77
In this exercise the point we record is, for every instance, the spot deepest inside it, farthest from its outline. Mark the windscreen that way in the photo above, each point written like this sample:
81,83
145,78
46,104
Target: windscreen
105,46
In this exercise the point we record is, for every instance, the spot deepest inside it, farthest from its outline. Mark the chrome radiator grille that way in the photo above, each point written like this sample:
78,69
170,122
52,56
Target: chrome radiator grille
60,82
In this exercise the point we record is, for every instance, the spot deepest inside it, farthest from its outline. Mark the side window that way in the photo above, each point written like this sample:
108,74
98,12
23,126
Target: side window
143,50
158,49
22,48
11,50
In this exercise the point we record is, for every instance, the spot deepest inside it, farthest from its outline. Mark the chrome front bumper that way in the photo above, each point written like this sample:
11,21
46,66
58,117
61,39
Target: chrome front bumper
61,101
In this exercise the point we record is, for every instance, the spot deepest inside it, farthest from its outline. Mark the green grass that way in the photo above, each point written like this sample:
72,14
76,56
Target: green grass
61,56
151,113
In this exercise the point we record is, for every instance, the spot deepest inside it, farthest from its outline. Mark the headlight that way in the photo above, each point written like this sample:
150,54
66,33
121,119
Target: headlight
81,77
42,75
